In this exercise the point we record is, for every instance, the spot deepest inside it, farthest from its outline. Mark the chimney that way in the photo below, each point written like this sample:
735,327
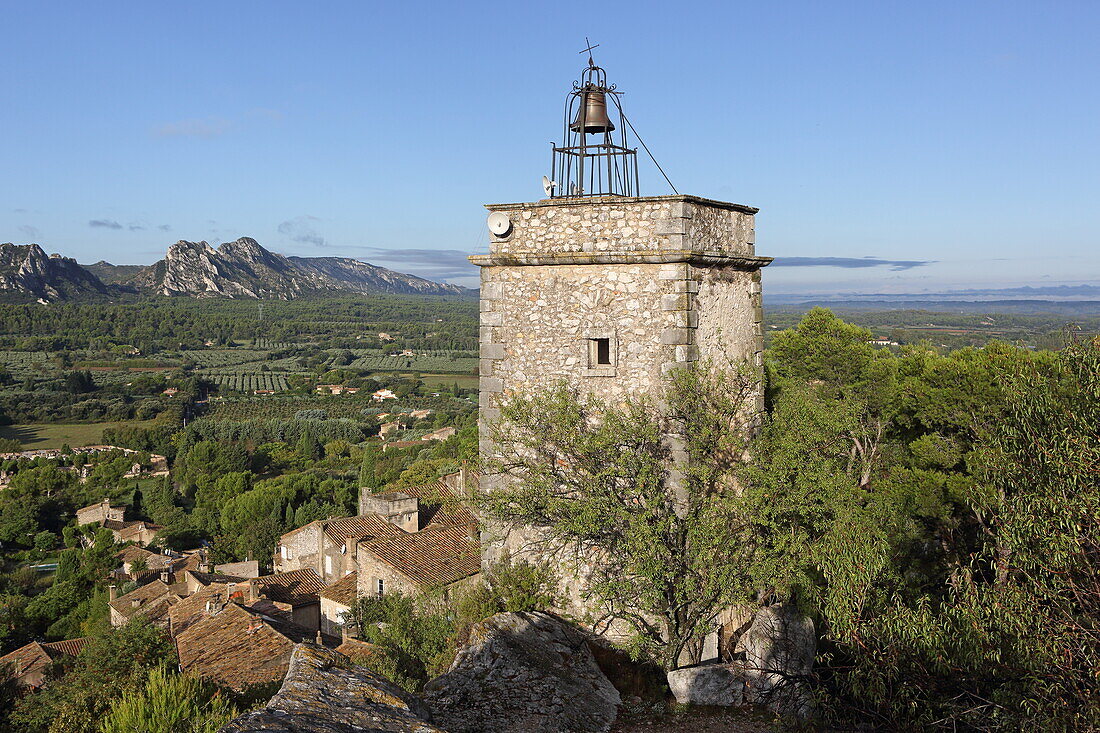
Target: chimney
214,605
164,577
255,623
320,641
112,592
135,602
473,532
349,630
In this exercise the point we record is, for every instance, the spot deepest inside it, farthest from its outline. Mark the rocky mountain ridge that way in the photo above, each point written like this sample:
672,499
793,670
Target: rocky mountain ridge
238,269
26,270
244,269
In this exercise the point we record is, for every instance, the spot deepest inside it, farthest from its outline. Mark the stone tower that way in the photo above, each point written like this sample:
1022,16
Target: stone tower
611,292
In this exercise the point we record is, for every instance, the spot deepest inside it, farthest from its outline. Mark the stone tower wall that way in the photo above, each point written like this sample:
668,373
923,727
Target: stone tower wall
668,280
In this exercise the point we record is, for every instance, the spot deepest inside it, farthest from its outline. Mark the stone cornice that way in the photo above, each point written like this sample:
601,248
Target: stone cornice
620,200
655,257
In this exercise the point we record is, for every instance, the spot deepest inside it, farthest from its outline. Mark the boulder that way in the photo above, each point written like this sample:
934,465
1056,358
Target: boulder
324,693
709,684
523,673
779,648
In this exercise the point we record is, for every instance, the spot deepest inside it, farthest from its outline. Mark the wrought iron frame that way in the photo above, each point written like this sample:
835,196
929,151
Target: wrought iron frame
606,167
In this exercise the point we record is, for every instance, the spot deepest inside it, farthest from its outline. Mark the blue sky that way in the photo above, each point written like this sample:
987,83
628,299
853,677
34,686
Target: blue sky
959,139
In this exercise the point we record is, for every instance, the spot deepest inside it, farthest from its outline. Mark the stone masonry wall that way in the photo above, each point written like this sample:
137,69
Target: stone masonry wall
638,225
303,547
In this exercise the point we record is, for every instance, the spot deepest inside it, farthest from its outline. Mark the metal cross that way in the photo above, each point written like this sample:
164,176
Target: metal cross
589,50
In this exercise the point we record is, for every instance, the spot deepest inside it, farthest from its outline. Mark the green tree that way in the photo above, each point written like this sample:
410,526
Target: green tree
310,448
107,668
599,479
413,634
170,703
45,541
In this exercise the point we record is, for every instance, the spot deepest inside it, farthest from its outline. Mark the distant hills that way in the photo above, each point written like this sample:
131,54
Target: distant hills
238,269
1073,301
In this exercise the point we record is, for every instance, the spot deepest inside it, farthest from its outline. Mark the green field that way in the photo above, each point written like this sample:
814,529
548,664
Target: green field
34,436
466,381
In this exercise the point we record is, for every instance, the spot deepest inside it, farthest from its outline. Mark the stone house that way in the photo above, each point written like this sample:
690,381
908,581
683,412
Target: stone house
336,600
151,601
442,556
325,546
195,581
112,518
28,664
405,541
441,434
137,531
99,513
329,546
294,592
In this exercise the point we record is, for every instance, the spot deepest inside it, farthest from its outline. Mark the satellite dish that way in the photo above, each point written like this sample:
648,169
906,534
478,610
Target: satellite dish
548,186
499,223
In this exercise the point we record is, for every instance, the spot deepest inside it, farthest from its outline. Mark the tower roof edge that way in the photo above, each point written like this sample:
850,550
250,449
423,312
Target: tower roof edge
619,200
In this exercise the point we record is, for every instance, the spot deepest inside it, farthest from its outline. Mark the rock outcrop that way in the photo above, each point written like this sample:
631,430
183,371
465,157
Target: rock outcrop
244,269
27,271
324,693
778,651
523,673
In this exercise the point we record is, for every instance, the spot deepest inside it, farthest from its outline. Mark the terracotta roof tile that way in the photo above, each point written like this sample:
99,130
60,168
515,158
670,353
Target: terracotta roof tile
236,648
297,587
131,529
192,561
67,647
440,506
435,556
366,525
154,560
133,552
36,656
193,608
343,591
153,601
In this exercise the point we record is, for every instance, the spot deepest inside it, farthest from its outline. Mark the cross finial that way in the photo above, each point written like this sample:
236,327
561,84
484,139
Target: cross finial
589,51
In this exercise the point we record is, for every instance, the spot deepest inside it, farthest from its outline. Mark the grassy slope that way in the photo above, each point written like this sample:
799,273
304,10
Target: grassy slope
35,436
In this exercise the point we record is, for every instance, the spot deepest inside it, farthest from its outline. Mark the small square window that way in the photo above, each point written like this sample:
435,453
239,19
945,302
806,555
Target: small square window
603,352
601,355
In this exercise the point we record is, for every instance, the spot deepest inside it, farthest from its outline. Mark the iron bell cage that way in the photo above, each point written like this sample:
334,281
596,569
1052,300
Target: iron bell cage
605,165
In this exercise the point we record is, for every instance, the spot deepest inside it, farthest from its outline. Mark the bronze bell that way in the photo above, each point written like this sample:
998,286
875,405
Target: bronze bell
593,114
